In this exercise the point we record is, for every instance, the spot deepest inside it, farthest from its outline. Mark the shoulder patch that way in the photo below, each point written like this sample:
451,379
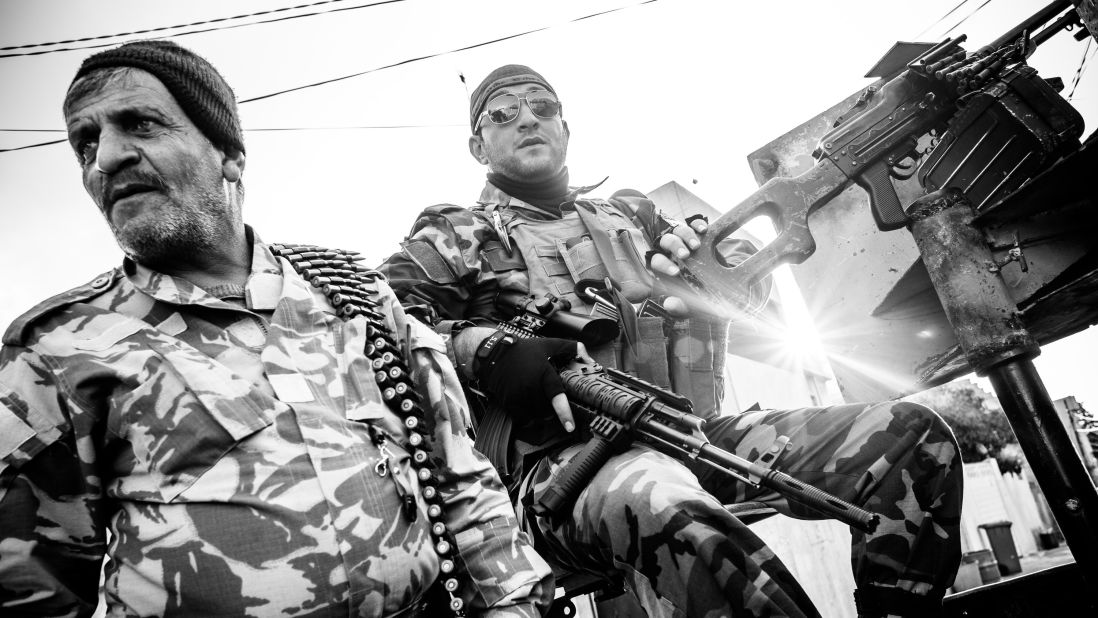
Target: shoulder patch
429,260
18,329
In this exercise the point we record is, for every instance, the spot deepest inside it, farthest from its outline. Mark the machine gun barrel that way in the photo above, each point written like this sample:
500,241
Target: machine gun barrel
622,412
1028,25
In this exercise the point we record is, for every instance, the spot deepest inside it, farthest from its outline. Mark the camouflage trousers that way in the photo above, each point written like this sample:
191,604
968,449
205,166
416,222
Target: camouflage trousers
663,526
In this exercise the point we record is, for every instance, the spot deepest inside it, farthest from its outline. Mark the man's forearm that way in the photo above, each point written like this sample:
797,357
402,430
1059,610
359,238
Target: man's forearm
465,345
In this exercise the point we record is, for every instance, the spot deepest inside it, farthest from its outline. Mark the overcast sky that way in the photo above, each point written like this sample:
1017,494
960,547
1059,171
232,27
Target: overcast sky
669,90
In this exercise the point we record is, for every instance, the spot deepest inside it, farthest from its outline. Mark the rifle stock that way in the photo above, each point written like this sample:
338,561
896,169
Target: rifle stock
922,97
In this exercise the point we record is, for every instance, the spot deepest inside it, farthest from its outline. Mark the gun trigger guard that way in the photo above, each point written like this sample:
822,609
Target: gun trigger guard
770,456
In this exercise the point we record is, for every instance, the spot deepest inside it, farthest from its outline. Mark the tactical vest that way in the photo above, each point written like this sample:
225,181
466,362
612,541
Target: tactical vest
685,355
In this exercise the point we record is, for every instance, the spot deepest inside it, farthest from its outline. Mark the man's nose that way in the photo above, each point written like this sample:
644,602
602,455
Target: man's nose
526,117
114,152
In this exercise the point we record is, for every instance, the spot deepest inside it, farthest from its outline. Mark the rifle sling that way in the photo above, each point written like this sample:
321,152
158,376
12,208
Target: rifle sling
493,438
510,455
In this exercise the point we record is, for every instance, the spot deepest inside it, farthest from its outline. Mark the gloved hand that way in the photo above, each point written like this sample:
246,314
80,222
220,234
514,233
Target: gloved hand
522,374
672,240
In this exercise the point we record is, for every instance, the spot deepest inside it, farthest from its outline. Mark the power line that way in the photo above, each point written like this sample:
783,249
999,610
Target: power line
209,21
372,126
38,145
437,54
976,10
162,28
264,129
388,66
1083,66
942,18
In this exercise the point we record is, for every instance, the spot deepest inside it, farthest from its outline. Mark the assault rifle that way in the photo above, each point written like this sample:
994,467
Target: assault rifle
623,409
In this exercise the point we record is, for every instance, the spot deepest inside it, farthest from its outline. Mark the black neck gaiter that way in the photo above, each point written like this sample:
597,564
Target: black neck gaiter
547,194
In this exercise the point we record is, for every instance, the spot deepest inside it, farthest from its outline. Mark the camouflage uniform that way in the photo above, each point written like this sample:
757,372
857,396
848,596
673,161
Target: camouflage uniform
226,447
663,525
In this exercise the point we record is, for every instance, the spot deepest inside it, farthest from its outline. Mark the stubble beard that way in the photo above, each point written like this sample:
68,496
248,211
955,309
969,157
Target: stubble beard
183,228
516,168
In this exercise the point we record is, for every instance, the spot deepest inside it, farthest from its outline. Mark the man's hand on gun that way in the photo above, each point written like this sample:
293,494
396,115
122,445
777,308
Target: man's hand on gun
678,241
524,374
674,241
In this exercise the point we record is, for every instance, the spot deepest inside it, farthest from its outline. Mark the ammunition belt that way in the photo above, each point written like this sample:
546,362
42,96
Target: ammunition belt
350,287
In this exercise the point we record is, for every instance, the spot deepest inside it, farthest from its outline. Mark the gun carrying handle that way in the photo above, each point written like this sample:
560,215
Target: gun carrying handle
883,201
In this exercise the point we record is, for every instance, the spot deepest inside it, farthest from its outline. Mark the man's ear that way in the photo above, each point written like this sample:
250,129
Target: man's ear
232,166
476,148
567,132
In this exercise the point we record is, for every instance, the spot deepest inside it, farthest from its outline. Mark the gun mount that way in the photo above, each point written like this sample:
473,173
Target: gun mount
993,185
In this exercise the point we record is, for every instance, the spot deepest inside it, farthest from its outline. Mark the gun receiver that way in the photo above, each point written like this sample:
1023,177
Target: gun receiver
942,96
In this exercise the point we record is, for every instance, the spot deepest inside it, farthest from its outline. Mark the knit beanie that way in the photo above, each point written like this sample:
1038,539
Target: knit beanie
199,89
502,77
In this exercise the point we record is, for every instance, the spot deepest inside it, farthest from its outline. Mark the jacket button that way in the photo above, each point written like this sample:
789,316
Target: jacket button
100,281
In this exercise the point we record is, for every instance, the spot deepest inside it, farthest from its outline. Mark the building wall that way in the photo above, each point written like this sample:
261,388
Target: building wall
993,497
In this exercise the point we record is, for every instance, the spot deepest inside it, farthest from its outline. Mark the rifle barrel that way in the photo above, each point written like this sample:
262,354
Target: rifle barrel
1036,20
780,482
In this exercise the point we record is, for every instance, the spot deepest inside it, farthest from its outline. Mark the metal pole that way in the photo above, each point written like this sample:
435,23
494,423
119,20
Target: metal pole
1051,455
997,344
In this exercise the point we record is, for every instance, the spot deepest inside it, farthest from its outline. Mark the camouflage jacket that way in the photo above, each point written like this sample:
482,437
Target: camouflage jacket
454,263
455,260
227,451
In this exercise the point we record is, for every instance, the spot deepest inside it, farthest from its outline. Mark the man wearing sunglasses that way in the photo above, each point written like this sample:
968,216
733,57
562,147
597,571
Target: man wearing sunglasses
660,524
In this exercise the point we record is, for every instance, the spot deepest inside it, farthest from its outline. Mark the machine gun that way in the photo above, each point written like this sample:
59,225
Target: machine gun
623,409
983,122
995,149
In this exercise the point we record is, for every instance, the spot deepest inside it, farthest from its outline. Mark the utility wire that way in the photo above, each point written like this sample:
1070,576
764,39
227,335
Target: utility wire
268,129
437,54
942,18
373,126
162,28
56,141
958,24
1083,66
395,64
227,27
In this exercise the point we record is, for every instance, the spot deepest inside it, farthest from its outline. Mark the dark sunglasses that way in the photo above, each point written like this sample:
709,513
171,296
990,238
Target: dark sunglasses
506,107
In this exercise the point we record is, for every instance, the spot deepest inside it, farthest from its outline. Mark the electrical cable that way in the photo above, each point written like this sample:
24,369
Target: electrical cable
268,96
38,145
273,128
228,27
956,25
162,28
942,18
437,54
372,126
1083,65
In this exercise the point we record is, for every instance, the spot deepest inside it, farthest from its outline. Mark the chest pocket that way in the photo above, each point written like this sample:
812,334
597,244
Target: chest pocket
498,260
173,414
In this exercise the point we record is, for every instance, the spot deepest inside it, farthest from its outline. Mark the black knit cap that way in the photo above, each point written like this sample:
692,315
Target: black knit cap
506,75
199,89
